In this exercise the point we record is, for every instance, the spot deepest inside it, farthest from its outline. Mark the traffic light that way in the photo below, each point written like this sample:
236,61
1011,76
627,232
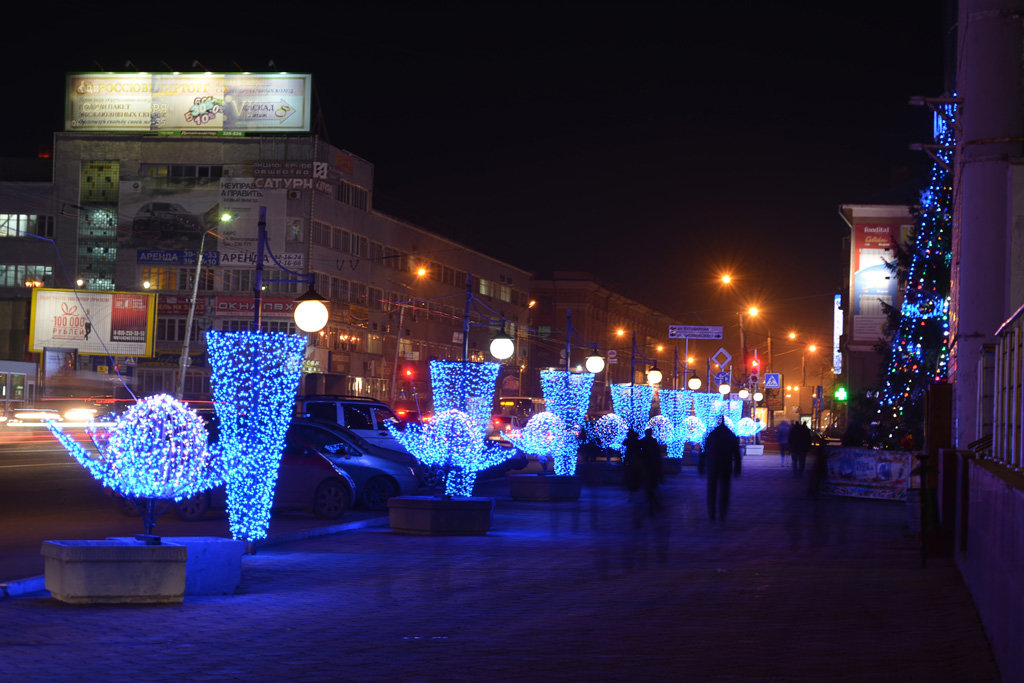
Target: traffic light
409,373
840,394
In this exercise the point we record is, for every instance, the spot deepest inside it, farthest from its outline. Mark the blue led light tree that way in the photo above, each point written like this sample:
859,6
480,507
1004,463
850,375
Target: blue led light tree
632,402
157,450
676,407
254,376
611,431
455,438
662,429
546,434
567,395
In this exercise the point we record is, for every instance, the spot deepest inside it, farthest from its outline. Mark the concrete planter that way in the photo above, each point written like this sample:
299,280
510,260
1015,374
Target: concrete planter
544,487
432,516
214,565
94,572
753,449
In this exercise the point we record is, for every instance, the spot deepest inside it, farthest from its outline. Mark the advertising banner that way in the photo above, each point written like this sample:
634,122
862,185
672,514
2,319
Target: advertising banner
273,307
867,473
175,213
873,283
93,323
181,103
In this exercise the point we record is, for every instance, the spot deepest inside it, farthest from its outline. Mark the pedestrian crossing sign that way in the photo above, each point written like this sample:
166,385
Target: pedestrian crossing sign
772,380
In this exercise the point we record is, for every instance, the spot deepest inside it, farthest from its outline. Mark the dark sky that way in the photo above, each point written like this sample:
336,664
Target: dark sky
652,144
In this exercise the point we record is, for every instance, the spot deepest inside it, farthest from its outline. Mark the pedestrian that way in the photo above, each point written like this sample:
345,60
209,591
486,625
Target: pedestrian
820,471
651,473
799,444
724,461
633,463
782,436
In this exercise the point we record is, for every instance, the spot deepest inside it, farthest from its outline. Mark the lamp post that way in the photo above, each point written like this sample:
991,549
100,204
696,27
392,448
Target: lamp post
183,362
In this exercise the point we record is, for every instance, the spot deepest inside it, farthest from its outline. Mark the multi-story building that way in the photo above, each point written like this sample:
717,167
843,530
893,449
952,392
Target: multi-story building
131,210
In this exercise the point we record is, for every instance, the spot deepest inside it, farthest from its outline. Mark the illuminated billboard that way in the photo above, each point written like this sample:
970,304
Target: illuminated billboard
181,103
93,323
874,284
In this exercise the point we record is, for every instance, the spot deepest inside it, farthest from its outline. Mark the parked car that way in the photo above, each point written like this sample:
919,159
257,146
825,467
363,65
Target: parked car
365,417
501,425
379,473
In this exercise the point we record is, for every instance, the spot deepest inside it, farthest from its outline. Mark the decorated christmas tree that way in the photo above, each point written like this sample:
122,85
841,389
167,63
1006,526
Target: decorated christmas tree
919,351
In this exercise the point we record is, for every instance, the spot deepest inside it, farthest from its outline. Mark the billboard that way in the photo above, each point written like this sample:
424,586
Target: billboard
180,103
92,323
874,285
175,213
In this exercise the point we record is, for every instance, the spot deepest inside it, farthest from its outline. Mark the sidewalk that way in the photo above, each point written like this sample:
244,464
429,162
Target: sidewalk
786,589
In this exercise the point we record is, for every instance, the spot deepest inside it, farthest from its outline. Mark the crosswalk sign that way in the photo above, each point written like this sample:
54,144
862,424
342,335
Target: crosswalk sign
772,380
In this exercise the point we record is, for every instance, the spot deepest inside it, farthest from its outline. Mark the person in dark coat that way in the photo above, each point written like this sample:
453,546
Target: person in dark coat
651,474
799,444
724,461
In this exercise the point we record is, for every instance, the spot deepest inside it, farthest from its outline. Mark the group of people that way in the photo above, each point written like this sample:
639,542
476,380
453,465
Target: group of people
795,438
721,460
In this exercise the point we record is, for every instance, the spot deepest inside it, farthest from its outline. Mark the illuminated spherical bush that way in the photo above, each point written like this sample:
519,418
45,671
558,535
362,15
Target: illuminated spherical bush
661,429
611,431
451,437
747,427
156,449
693,429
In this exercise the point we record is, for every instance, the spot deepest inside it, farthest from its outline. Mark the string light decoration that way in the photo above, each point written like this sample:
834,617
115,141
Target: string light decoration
452,441
611,431
676,407
918,353
746,427
155,449
633,402
547,434
455,437
567,395
662,429
254,377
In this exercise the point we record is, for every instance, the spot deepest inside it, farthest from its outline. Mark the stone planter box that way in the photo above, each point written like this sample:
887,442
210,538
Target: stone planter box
602,473
433,516
544,487
214,565
92,572
753,449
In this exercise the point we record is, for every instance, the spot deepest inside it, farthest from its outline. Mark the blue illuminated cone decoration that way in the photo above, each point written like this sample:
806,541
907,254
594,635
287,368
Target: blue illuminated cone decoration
455,438
567,395
156,450
632,402
676,407
254,376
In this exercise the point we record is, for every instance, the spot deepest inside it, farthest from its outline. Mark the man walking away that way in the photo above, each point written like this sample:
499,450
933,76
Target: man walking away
799,444
782,436
723,462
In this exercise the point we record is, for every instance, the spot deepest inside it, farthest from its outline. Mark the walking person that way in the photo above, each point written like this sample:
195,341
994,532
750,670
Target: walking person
724,461
782,436
799,444
651,474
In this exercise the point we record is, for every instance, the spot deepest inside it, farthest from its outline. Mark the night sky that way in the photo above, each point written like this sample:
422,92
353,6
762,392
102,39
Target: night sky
650,145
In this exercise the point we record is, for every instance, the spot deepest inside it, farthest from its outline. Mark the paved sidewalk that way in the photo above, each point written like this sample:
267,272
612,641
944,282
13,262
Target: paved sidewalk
787,589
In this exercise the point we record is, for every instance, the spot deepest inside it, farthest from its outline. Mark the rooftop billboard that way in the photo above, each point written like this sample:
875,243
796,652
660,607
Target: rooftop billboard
182,103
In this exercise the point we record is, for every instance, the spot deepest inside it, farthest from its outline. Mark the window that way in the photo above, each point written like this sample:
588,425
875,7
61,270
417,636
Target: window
19,225
358,417
16,275
485,287
161,278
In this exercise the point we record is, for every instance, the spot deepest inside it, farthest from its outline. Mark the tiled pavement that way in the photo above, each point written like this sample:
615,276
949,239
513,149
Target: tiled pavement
787,589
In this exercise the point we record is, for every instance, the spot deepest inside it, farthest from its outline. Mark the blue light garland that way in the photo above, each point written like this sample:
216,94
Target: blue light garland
611,431
633,402
156,449
567,395
455,437
254,376
547,435
677,407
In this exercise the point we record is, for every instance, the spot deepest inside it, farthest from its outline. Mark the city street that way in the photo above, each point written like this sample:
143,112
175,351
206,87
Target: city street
789,588
46,495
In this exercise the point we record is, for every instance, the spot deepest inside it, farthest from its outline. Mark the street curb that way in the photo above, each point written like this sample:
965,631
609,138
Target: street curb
35,584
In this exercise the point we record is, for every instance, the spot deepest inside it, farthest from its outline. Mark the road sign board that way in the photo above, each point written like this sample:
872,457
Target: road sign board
721,377
772,380
694,332
722,357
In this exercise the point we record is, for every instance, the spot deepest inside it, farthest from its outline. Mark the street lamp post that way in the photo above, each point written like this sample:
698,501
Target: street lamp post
183,362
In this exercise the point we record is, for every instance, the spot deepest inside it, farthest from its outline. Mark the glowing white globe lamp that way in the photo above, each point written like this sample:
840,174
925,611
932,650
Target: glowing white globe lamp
594,363
502,346
654,375
724,389
694,383
311,313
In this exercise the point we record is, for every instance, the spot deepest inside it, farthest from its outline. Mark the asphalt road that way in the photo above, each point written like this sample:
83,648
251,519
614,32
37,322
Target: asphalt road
46,495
